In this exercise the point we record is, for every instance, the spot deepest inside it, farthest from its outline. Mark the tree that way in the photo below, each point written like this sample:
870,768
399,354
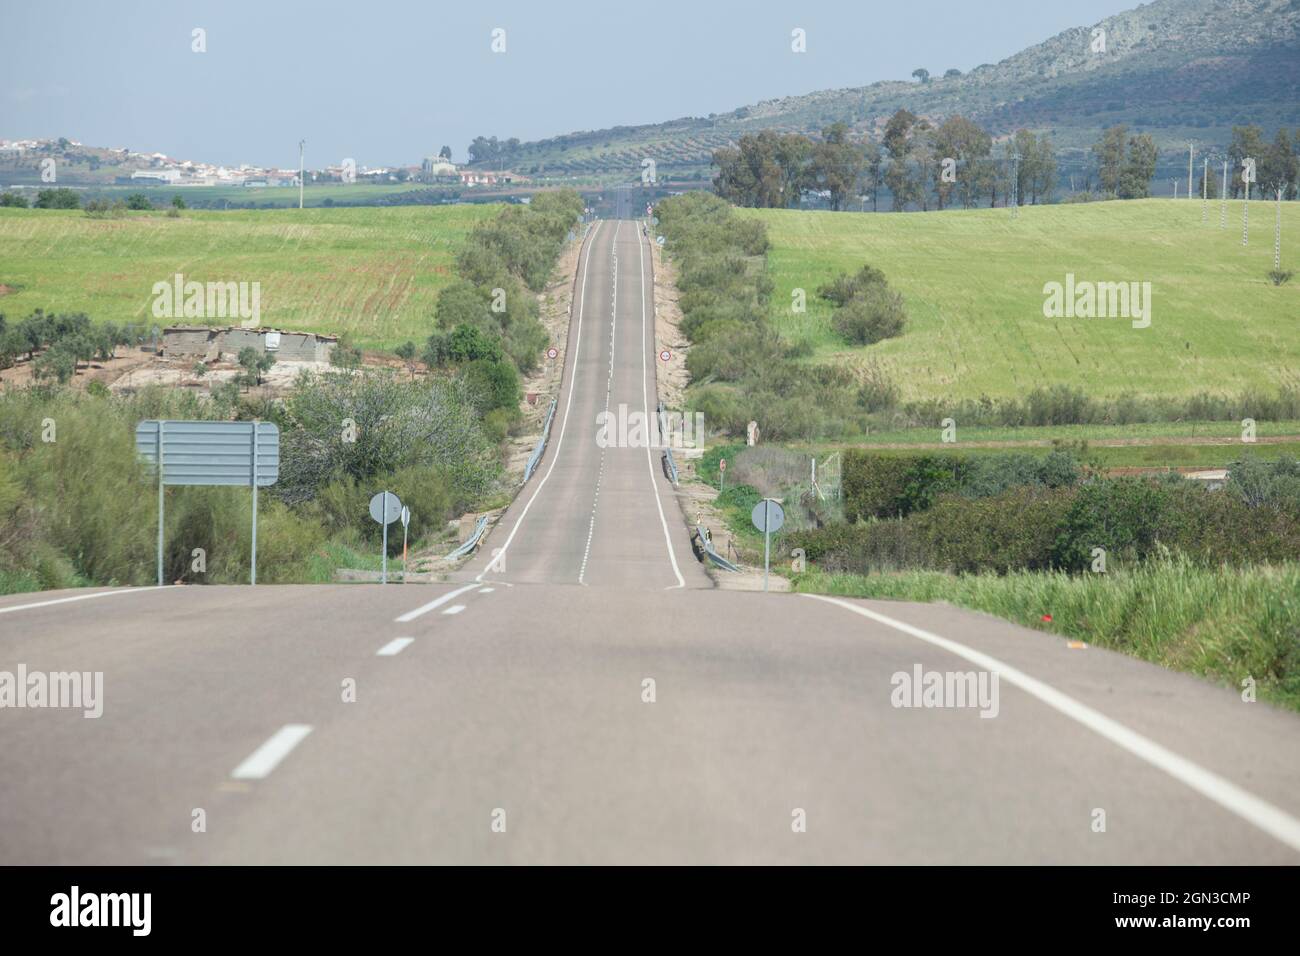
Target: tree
836,164
58,363
345,354
61,198
1278,167
874,172
961,140
13,199
767,170
1247,142
138,202
1042,181
922,75
254,364
406,352
905,141
749,174
493,383
445,153
178,202
1139,168
1109,151
950,74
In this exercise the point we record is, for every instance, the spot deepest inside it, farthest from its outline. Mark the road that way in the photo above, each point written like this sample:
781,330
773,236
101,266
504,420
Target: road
597,701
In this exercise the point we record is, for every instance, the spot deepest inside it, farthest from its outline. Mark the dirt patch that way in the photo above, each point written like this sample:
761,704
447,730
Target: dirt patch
671,377
555,305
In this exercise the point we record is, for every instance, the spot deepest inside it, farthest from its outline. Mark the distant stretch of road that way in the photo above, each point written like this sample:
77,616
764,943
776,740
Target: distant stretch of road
594,699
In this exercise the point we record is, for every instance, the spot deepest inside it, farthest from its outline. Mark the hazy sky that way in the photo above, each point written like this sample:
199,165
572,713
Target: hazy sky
391,82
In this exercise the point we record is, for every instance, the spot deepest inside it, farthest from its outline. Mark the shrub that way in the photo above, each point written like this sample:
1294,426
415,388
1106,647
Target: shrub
492,383
885,486
871,316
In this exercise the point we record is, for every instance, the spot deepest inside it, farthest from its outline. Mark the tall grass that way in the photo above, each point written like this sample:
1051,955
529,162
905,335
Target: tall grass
1224,624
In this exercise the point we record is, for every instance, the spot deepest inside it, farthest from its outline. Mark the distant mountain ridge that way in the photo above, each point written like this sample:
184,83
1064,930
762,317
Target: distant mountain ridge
1178,69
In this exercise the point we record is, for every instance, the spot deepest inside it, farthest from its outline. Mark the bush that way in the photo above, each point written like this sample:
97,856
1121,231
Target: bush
871,316
492,383
375,423
57,199
1122,515
892,486
1272,484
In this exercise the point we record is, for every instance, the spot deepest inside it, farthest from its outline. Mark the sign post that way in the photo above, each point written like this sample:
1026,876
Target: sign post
207,453
385,508
406,523
722,475
768,516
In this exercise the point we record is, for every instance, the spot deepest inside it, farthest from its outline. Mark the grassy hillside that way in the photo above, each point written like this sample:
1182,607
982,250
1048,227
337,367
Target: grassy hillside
1178,69
373,272
973,284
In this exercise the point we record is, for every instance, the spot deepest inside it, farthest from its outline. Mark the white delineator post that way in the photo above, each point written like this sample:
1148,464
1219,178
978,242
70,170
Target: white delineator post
160,502
252,574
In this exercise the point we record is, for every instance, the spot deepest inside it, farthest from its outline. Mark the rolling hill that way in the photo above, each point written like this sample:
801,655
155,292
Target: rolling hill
1178,69
373,272
973,285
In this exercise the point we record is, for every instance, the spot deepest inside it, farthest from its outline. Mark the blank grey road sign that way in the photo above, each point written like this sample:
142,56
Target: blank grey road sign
211,453
760,512
385,507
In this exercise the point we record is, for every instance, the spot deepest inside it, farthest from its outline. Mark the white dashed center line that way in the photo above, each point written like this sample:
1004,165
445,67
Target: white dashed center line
454,609
268,756
394,647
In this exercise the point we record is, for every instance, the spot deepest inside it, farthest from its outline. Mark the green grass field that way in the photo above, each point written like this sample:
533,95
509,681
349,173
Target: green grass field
973,284
373,272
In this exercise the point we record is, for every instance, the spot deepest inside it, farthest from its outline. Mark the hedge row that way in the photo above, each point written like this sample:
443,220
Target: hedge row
1035,527
893,486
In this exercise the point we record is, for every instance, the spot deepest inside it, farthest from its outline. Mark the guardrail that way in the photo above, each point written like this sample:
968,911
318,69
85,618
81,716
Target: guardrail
670,464
706,545
536,456
473,541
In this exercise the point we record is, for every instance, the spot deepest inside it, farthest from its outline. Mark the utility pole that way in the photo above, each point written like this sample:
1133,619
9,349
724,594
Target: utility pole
1223,199
1245,207
1174,183
302,143
1205,189
1277,235
1015,185
1191,150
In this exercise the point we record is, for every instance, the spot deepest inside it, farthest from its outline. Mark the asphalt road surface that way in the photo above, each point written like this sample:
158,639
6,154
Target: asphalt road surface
596,700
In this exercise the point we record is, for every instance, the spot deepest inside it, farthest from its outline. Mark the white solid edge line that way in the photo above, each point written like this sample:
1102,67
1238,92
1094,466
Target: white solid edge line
268,756
645,410
559,442
81,597
434,604
454,609
1274,821
395,647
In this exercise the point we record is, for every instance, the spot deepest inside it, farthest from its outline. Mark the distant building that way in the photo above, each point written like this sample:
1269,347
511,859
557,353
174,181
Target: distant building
208,343
157,175
434,167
